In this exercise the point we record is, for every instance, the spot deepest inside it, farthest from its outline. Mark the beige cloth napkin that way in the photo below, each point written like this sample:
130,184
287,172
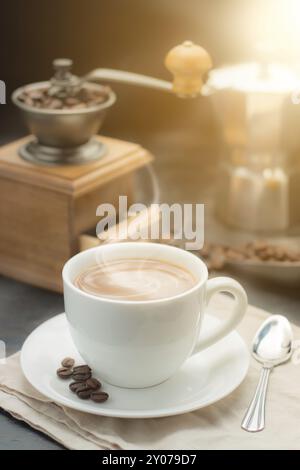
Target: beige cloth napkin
215,427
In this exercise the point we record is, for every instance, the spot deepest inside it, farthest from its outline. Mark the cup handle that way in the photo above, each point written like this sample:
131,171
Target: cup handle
224,284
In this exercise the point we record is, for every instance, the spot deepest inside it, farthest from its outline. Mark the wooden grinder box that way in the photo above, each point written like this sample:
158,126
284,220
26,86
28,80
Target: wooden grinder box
45,209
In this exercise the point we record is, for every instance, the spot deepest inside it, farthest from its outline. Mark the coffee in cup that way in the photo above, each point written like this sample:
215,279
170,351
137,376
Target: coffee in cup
135,279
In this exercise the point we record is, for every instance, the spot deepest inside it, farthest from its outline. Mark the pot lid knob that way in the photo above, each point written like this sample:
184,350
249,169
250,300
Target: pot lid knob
189,65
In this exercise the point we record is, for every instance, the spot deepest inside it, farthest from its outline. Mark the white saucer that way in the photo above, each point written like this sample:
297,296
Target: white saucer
204,379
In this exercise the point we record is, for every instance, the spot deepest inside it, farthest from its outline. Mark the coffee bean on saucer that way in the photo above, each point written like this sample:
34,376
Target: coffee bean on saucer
81,387
64,373
93,383
68,362
74,386
279,253
99,397
260,245
234,255
81,377
292,255
82,369
84,394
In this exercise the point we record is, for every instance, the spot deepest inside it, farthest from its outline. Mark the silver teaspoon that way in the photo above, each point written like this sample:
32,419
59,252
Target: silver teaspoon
272,345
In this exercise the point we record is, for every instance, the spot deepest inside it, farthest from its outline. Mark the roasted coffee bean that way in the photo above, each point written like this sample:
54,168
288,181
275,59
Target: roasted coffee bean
279,254
260,245
68,362
28,101
259,251
55,104
70,101
292,255
81,377
99,397
217,262
84,394
36,95
206,250
74,386
47,98
81,387
93,383
82,369
98,100
64,373
234,255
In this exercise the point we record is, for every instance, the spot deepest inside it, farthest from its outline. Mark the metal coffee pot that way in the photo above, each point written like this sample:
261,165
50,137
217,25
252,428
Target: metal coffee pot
259,178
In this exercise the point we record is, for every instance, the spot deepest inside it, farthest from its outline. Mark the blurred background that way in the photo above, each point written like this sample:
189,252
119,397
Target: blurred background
135,35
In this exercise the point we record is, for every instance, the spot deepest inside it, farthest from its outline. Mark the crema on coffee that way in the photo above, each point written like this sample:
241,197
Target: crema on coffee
135,279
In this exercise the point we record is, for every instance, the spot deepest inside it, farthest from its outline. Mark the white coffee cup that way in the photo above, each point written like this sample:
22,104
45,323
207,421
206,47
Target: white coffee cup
138,344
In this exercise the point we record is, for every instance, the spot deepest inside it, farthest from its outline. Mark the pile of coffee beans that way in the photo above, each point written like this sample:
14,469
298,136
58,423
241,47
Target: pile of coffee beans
216,256
84,384
84,98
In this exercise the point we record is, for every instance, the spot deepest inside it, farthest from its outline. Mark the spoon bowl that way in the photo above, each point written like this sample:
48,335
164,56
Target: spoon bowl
271,346
272,343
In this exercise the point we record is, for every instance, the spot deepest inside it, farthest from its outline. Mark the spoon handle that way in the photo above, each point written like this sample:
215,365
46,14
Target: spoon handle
254,419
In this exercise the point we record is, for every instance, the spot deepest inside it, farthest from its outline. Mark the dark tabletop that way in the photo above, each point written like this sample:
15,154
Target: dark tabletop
22,308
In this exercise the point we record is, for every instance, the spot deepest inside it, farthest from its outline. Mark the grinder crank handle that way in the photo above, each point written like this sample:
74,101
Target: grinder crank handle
188,63
112,75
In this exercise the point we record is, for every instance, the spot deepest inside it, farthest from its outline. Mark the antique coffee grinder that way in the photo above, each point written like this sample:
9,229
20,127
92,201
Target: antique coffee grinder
52,181
65,113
